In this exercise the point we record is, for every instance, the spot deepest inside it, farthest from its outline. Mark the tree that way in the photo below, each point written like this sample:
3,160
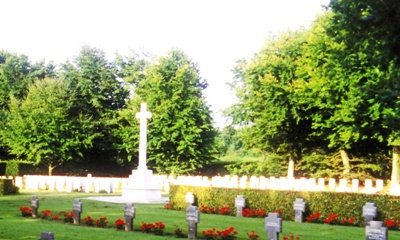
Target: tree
38,127
268,107
98,94
16,74
370,33
181,134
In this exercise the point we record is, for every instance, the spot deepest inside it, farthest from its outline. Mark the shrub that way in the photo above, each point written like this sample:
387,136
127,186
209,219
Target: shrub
345,205
7,187
12,168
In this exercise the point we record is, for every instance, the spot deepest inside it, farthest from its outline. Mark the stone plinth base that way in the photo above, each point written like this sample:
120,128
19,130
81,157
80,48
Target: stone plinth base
141,187
141,194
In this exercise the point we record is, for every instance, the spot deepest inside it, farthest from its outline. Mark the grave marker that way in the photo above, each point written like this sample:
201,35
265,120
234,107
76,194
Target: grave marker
273,225
47,236
375,231
189,199
299,207
34,206
369,212
240,202
77,209
193,218
129,213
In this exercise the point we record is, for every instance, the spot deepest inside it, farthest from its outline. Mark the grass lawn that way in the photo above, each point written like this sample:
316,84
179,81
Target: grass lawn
14,226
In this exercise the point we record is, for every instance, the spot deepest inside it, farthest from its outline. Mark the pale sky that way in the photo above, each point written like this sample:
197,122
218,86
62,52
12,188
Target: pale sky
213,33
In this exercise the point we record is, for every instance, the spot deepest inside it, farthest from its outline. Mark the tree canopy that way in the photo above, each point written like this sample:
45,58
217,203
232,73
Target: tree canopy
38,127
181,134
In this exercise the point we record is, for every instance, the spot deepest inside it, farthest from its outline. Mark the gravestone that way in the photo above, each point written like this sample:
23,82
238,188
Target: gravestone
240,202
189,199
129,213
273,225
369,212
299,207
77,209
47,236
34,206
375,231
193,218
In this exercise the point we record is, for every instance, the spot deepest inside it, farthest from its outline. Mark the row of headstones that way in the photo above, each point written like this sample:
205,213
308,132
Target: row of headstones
87,184
69,184
281,183
273,223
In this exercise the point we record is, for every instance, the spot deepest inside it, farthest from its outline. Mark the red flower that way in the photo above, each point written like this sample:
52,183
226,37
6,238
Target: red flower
46,213
253,235
119,224
328,220
26,211
332,216
224,210
168,206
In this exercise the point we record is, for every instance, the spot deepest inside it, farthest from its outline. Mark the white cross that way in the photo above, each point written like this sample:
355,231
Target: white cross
143,115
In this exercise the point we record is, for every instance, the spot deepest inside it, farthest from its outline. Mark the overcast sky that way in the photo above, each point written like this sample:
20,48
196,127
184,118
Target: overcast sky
214,33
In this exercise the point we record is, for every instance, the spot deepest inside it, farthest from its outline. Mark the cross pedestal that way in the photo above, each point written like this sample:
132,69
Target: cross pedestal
142,186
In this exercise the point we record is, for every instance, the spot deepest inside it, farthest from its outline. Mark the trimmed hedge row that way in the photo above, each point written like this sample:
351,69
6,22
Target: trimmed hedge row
7,187
345,205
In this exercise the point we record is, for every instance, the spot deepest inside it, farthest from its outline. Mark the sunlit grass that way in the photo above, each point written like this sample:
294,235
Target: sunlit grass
14,226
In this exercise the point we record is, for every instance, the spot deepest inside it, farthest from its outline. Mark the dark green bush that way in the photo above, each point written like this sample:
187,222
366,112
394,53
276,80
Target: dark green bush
7,187
12,168
345,205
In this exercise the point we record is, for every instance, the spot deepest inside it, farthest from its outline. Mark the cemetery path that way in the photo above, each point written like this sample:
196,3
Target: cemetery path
118,199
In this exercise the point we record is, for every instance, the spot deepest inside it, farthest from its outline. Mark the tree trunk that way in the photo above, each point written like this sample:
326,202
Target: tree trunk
291,167
395,166
50,169
346,162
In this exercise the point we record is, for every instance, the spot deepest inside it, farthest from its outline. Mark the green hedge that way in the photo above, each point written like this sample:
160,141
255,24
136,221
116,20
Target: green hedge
346,205
12,168
7,187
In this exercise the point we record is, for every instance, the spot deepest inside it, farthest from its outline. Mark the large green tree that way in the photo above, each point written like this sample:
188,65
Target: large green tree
98,94
268,106
181,134
16,74
38,127
370,33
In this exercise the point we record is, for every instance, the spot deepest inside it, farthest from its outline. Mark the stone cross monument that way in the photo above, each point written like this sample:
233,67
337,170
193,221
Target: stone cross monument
142,186
143,115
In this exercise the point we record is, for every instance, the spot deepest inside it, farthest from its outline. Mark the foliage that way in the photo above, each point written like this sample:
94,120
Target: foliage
261,166
179,232
96,94
101,222
320,163
181,135
325,89
68,217
16,74
228,233
268,108
7,187
119,224
227,141
26,211
12,168
39,128
345,205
